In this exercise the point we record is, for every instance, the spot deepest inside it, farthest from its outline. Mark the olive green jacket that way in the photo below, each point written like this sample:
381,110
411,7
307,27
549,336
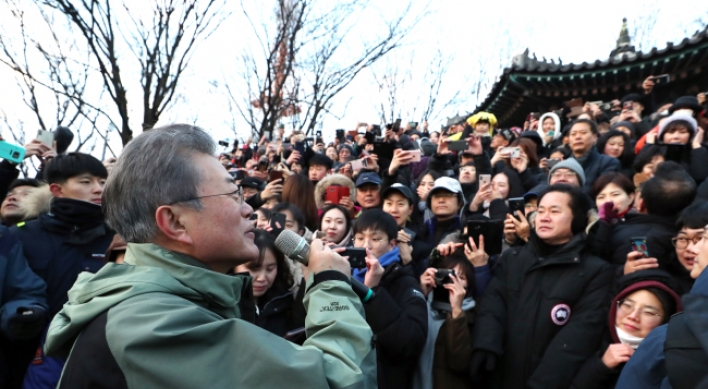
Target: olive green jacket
172,323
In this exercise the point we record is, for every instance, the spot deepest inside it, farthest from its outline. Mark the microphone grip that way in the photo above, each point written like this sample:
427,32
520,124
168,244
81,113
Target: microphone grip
361,290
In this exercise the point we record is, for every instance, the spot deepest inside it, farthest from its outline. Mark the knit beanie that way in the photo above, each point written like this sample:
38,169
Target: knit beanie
572,165
685,116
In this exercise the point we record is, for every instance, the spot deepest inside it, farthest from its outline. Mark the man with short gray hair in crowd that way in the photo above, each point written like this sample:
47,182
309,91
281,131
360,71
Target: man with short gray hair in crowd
187,227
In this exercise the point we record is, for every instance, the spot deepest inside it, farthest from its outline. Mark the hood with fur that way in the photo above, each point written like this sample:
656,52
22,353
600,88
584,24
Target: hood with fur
37,201
556,131
333,179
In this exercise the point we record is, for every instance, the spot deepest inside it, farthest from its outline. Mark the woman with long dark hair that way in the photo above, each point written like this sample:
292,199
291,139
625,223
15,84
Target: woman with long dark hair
272,284
299,191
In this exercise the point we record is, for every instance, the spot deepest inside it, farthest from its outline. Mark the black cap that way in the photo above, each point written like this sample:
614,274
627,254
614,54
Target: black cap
506,133
686,102
400,188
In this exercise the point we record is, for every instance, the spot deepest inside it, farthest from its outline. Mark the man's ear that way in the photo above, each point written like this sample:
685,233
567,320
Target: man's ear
57,190
393,243
640,205
170,222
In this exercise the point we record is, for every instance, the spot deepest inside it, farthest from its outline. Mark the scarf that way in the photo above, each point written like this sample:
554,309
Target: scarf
385,260
626,338
77,213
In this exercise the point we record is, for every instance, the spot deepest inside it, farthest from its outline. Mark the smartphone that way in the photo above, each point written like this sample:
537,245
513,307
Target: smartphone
628,105
513,152
639,243
662,79
410,233
416,155
396,126
237,175
275,175
11,152
358,164
357,257
484,179
267,135
277,219
384,150
276,159
370,137
340,135
318,134
47,138
334,193
300,148
551,162
458,145
492,230
517,204
262,166
287,147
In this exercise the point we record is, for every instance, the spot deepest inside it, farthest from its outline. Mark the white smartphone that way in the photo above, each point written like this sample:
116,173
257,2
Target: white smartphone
358,164
484,179
46,137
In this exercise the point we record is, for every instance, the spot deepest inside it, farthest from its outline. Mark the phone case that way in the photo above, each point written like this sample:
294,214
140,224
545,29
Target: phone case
640,244
11,152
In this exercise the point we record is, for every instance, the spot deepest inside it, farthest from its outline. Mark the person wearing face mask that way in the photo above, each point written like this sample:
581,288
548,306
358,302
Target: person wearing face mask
272,283
335,224
682,129
644,303
618,144
542,314
675,355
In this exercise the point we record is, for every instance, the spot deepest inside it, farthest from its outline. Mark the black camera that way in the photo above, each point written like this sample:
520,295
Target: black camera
442,277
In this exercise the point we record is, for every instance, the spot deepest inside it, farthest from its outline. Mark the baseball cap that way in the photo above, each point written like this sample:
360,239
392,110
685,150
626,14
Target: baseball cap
368,178
400,188
448,184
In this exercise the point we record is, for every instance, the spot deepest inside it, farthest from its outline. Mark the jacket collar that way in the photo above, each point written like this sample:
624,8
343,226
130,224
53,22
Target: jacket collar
222,293
568,253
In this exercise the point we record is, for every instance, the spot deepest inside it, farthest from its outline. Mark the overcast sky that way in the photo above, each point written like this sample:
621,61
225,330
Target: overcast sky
473,32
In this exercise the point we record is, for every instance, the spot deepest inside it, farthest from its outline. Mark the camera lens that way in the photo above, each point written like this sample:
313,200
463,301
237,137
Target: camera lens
16,154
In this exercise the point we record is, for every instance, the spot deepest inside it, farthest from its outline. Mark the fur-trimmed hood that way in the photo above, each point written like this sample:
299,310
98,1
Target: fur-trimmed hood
333,179
37,201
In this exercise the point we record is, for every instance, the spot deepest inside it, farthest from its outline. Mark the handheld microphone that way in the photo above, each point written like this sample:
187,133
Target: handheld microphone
295,247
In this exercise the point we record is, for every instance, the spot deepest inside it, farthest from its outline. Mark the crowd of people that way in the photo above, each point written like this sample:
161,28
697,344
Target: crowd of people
567,252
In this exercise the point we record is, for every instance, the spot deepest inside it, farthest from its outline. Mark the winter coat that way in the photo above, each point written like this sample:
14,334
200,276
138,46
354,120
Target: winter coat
657,229
72,238
333,179
649,367
193,317
596,165
543,315
693,160
19,287
398,315
276,314
594,374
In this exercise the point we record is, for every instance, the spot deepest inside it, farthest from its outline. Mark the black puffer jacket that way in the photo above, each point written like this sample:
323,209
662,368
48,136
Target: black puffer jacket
657,229
543,313
398,316
596,165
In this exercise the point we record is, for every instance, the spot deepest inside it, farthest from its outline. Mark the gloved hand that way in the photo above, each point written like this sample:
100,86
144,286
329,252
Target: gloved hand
27,322
482,358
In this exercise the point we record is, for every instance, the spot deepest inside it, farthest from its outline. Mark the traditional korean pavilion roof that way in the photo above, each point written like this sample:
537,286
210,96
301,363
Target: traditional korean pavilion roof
531,85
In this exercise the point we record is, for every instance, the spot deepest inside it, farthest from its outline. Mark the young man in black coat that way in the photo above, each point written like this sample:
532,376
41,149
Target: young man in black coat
72,238
545,309
398,313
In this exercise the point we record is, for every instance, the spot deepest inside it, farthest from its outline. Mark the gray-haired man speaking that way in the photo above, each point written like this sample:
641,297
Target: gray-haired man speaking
171,317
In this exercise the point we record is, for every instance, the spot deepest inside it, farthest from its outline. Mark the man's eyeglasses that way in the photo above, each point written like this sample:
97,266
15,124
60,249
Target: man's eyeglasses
237,194
444,195
682,243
